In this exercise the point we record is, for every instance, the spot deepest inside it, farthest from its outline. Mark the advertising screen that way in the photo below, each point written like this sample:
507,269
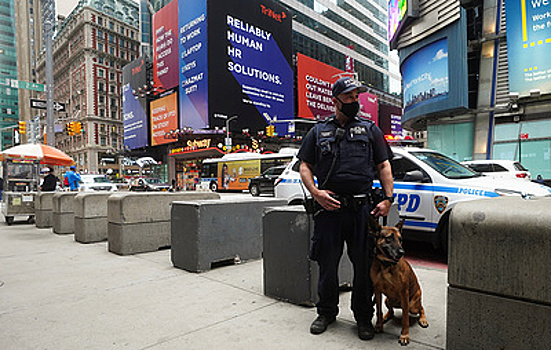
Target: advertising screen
164,118
397,10
434,75
250,46
425,75
192,24
134,109
165,46
529,45
314,82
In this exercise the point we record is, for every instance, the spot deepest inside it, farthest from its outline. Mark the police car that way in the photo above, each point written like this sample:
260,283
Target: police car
427,185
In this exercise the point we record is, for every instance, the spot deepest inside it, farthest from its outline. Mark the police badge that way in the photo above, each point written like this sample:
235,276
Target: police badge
440,203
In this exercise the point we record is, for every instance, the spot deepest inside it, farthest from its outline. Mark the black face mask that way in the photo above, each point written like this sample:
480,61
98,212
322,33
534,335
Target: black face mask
349,109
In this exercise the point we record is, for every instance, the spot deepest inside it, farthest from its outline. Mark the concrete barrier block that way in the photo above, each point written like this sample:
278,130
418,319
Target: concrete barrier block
204,232
91,204
62,202
483,321
63,223
44,201
289,274
63,215
131,208
43,218
501,246
90,230
138,238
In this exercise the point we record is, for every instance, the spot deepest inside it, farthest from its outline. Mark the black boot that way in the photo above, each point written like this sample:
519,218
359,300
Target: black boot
320,324
366,331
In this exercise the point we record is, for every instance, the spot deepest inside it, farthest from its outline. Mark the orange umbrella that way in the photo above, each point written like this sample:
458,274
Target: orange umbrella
45,154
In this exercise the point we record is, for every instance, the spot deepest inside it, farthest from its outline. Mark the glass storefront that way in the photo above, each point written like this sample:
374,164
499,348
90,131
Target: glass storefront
454,140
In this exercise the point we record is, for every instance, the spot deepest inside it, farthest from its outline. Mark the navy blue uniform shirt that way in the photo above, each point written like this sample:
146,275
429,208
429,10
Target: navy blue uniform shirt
361,148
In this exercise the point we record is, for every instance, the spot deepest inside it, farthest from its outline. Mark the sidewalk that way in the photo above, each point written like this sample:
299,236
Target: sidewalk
58,294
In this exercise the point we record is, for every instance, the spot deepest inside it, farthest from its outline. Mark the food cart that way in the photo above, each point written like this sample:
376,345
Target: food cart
21,181
21,178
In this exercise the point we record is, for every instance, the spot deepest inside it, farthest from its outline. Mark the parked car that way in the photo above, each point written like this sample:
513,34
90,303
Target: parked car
91,182
148,184
427,185
264,183
121,183
500,168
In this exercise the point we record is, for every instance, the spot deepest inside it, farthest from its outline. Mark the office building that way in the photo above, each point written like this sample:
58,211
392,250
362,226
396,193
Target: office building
90,48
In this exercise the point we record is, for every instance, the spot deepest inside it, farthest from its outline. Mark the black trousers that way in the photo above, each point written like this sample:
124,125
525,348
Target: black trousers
331,230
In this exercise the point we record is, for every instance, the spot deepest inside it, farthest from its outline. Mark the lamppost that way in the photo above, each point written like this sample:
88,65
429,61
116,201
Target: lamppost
228,120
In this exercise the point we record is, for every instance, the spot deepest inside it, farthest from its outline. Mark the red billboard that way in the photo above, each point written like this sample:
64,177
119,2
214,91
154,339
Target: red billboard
314,82
164,118
165,46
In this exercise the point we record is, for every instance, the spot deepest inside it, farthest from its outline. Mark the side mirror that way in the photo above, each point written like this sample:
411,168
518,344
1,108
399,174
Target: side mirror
415,176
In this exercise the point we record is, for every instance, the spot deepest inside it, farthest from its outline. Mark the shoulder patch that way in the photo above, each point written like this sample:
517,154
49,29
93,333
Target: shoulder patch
328,133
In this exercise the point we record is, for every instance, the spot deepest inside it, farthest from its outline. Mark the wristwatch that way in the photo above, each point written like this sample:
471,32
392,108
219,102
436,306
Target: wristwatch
389,198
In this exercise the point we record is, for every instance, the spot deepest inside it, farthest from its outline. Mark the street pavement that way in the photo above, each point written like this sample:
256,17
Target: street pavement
58,294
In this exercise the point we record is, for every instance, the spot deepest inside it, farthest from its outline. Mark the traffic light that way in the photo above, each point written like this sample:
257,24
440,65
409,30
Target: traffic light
22,127
270,130
77,129
70,128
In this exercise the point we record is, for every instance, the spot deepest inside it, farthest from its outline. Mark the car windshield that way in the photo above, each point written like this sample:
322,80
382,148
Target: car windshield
445,165
153,181
95,179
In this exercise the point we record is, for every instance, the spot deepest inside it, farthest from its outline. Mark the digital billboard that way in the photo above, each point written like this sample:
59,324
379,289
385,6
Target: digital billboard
164,118
400,12
192,24
434,75
134,109
250,72
425,75
314,83
165,46
529,45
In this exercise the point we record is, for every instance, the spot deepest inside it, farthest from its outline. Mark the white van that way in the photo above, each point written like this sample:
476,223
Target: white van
427,185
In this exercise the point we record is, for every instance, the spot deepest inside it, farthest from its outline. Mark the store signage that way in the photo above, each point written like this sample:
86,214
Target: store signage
192,145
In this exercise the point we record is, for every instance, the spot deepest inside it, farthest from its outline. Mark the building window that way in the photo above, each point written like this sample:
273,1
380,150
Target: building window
114,115
102,113
100,21
100,47
112,89
101,87
111,26
100,34
112,50
101,99
101,73
111,76
103,141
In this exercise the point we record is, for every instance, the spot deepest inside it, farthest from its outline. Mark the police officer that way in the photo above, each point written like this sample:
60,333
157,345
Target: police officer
344,152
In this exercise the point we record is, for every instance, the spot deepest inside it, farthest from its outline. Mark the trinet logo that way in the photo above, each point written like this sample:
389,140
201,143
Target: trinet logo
271,13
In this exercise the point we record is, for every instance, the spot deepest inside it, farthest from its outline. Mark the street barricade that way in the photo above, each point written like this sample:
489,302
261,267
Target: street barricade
140,222
63,214
499,293
207,233
43,206
91,217
289,274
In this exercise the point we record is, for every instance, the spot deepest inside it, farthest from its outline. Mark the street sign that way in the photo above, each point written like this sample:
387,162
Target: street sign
19,84
42,104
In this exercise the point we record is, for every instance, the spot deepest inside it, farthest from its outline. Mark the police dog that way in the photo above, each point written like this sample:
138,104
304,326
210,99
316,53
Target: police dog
393,276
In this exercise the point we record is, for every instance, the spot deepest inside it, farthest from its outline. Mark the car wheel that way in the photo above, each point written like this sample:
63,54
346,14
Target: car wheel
9,220
30,220
255,190
213,186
